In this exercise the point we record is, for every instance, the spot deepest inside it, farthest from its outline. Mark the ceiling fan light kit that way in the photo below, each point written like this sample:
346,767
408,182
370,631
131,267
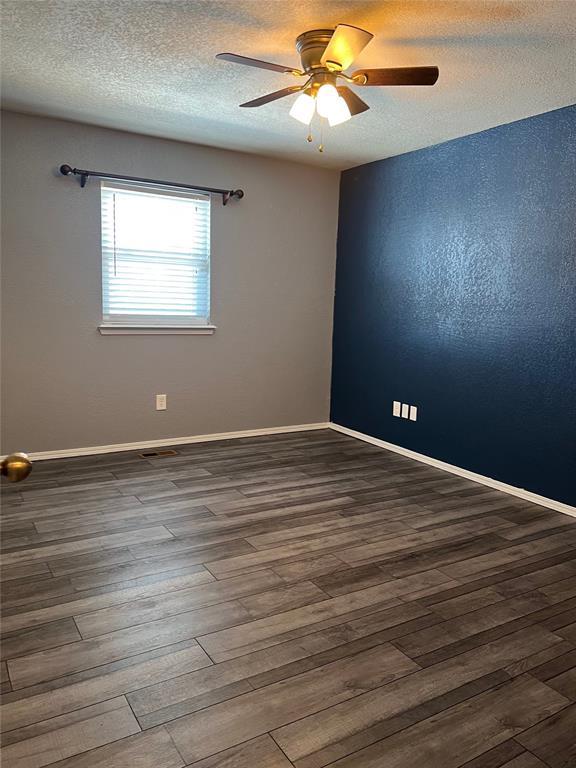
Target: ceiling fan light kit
339,112
303,108
325,54
326,99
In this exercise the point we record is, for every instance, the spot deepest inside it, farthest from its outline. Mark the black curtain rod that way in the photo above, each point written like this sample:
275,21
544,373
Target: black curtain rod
67,170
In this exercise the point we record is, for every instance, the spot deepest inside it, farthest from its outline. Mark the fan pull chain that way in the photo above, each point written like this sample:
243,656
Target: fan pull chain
310,136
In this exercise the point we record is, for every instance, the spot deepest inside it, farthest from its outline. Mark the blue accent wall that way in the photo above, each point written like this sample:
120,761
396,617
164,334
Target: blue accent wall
456,292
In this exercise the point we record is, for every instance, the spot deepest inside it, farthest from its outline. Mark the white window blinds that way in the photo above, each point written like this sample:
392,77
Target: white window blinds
155,256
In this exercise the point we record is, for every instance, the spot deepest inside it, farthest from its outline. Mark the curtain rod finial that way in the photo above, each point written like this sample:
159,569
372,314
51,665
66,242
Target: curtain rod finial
66,170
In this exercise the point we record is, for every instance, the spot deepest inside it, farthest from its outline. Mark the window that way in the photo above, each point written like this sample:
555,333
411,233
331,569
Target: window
155,258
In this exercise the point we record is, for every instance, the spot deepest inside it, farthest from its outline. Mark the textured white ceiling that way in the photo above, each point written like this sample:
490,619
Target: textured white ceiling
148,66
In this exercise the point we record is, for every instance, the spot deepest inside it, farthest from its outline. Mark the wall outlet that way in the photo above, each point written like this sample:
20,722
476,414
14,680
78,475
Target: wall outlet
160,402
404,410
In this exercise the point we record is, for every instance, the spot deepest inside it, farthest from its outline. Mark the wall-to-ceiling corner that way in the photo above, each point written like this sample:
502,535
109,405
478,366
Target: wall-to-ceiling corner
456,292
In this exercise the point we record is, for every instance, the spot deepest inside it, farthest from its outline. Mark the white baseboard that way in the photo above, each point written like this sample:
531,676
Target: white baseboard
543,501
119,447
521,493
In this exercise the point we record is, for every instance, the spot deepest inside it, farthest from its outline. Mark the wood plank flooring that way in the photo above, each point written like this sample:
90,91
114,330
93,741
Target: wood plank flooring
300,600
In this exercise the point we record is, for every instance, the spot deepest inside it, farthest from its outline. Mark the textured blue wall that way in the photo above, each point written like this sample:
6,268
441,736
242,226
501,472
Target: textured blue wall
456,292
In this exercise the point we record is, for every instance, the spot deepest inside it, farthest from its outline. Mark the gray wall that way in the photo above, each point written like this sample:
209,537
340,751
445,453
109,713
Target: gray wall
273,258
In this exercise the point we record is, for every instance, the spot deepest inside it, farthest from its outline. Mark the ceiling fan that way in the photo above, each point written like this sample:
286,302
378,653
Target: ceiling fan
325,54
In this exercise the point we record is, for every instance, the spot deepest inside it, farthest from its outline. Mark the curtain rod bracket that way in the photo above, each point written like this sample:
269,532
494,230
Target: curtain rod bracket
238,193
227,194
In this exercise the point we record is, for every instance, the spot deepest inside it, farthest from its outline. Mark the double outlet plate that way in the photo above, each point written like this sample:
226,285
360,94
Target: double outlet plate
404,410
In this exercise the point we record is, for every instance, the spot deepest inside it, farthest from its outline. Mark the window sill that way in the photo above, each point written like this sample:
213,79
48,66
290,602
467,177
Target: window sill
156,330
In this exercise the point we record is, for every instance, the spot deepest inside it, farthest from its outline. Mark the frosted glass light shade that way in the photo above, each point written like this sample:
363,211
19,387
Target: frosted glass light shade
326,99
339,112
303,108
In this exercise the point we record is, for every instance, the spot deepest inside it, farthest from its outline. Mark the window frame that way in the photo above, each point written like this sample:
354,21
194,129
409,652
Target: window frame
153,324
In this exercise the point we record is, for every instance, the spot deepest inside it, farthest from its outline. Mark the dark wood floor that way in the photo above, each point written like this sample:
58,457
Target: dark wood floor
303,599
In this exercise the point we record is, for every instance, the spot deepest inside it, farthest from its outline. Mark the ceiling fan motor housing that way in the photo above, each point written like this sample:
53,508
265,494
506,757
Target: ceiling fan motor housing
311,45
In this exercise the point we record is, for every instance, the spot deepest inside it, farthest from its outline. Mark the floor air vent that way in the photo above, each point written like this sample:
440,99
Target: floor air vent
157,454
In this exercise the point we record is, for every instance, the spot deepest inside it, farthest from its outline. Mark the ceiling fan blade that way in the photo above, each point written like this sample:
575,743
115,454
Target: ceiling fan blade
345,45
273,96
236,59
397,76
354,102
